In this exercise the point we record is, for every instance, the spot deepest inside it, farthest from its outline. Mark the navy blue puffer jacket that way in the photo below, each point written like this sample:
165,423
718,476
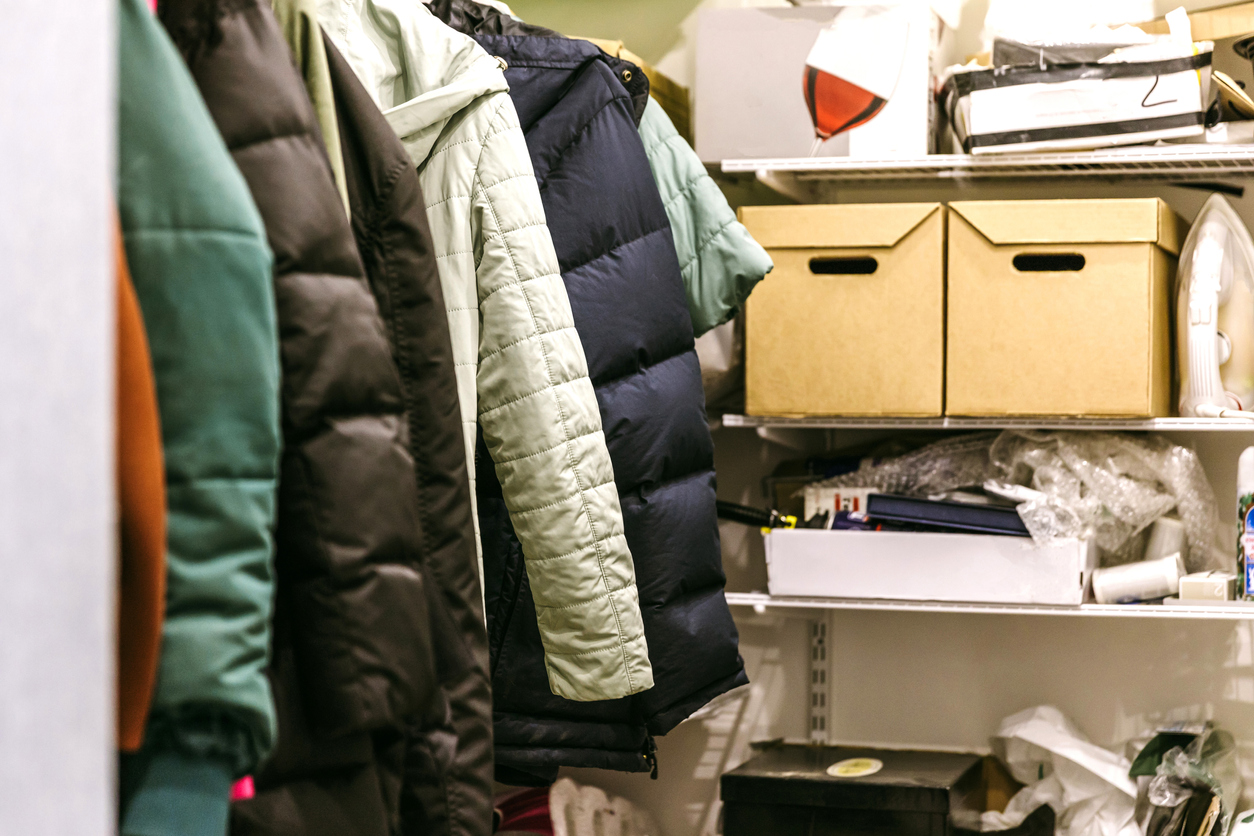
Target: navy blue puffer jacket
617,257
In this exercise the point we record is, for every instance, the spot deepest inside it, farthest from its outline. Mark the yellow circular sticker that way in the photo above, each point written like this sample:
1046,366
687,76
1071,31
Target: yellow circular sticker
855,768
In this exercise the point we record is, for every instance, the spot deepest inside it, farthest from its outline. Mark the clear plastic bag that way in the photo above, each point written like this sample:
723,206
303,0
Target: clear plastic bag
937,468
1111,486
1209,761
1108,486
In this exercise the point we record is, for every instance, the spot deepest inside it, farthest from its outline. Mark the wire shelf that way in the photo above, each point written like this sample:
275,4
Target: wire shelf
1183,162
762,602
1133,424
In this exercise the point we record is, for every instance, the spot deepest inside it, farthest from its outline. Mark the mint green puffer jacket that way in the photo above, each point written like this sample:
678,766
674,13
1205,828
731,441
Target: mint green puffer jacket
521,370
721,262
202,271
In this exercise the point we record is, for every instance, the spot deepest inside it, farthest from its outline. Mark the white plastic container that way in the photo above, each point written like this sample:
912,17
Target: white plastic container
1167,537
1141,581
927,566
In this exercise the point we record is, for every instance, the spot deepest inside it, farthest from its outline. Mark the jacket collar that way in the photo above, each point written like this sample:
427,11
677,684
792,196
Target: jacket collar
421,72
525,44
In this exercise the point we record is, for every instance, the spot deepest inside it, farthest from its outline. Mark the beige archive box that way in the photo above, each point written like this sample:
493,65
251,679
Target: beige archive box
1060,307
851,321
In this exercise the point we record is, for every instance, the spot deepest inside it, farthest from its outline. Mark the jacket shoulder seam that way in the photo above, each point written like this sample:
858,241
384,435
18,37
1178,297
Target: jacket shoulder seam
482,140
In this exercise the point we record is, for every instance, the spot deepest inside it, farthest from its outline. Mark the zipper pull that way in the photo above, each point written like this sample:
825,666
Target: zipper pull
650,756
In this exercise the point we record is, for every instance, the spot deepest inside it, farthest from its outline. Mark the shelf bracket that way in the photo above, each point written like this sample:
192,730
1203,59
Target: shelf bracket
784,184
818,695
793,439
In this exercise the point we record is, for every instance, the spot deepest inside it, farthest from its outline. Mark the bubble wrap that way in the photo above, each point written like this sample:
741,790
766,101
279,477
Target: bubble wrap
1108,486
945,465
1111,486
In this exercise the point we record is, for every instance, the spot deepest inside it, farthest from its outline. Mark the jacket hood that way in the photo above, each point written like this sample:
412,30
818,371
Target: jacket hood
482,21
433,72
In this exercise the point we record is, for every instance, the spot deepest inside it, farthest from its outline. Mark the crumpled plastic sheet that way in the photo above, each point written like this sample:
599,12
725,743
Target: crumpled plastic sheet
1108,486
1087,786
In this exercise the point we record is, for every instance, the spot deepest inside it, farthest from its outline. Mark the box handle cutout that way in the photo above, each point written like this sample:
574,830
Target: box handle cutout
1049,262
859,265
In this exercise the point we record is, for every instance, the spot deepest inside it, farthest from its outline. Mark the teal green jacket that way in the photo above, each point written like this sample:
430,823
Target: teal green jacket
202,270
721,262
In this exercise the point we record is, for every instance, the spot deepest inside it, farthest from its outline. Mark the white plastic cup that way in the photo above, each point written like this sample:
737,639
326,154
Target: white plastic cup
1141,581
1166,538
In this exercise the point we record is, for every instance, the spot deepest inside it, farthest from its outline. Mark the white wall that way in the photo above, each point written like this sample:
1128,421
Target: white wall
57,581
660,30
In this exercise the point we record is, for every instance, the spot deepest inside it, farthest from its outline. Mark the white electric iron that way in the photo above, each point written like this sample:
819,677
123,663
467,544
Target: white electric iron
1215,316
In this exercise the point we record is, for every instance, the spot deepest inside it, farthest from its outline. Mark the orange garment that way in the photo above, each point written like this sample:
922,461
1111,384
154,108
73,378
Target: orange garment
141,515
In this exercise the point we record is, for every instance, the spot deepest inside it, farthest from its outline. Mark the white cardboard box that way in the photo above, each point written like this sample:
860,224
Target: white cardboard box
925,566
1023,109
770,80
832,500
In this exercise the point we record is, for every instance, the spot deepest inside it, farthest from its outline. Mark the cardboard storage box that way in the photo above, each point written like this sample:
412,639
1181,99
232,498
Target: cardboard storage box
851,321
927,566
857,78
1228,21
1060,307
799,790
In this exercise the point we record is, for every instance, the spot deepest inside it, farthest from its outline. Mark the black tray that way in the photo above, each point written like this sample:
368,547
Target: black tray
944,515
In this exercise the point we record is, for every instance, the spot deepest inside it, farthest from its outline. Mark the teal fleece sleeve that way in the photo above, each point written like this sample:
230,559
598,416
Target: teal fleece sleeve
201,267
721,262
168,793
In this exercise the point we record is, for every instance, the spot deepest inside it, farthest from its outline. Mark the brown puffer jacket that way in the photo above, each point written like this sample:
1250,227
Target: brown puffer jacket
448,764
353,665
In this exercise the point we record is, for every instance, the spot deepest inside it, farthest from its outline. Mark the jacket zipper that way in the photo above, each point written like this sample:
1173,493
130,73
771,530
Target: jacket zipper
650,755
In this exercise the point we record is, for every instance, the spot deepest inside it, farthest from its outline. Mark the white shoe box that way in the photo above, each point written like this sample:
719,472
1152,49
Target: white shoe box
926,566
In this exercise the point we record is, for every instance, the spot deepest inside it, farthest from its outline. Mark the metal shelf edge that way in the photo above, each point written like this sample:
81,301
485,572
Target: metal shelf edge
757,599
1141,425
1186,161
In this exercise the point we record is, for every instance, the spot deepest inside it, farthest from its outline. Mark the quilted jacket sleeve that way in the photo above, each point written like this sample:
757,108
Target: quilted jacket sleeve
201,268
721,262
542,426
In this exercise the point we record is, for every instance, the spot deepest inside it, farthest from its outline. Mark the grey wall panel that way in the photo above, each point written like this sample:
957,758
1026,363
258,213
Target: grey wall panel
57,520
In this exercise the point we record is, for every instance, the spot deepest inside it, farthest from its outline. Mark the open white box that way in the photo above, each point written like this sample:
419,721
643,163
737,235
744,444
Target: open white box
927,566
